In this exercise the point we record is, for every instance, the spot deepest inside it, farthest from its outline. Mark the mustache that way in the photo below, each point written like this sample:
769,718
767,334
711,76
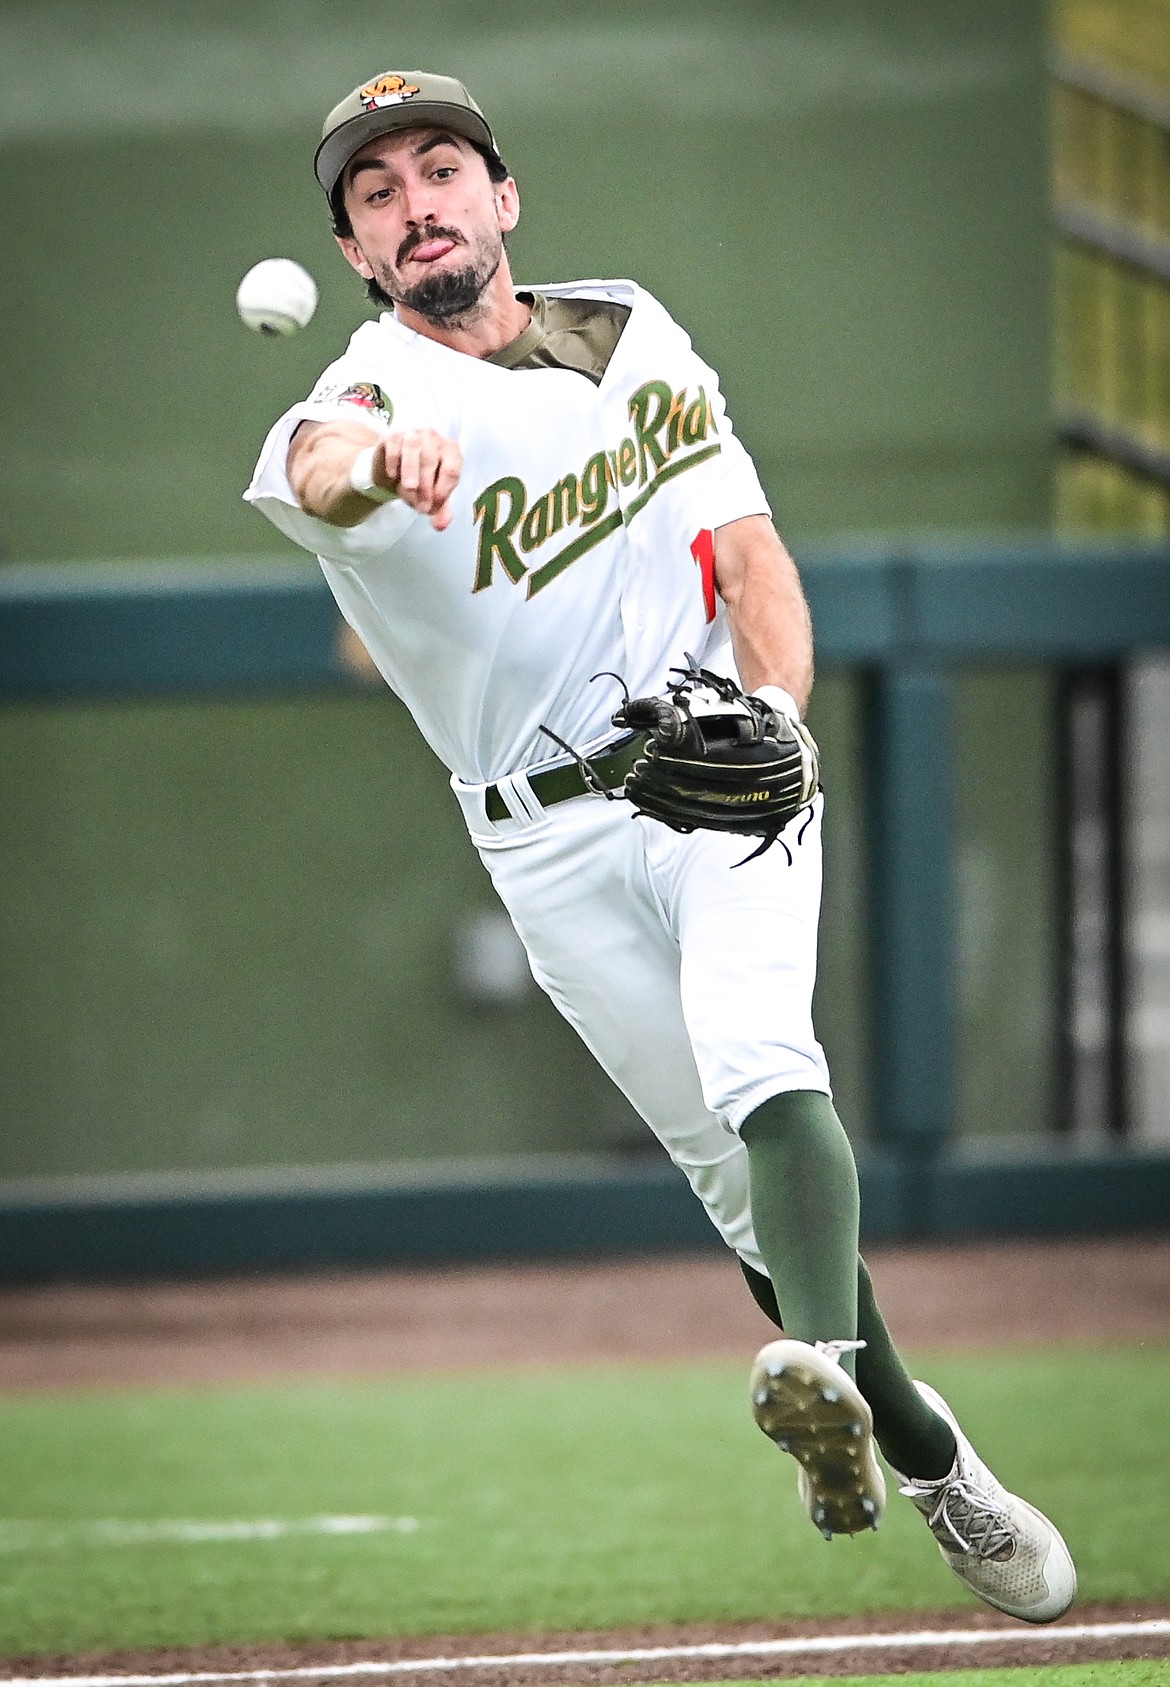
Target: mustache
428,231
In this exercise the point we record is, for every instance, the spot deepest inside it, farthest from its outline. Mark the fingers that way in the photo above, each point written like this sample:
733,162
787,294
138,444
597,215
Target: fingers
424,469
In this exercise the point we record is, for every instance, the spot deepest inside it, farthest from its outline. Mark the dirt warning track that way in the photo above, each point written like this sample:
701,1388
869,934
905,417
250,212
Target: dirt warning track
386,1322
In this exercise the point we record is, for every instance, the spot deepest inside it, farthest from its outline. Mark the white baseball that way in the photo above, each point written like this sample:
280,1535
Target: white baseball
276,296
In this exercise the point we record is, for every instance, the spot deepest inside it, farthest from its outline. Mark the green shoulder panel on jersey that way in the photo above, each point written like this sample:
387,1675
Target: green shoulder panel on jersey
576,334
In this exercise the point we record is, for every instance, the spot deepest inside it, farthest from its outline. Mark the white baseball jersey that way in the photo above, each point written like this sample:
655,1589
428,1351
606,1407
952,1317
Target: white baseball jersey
582,542
580,539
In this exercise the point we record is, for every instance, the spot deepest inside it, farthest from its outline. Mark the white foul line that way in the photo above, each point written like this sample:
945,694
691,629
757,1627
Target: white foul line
17,1536
794,1647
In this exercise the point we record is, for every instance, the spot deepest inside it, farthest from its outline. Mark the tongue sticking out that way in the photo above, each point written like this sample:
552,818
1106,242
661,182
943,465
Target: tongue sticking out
429,250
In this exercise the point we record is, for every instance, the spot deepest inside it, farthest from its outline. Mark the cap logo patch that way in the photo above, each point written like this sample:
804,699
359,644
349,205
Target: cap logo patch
387,89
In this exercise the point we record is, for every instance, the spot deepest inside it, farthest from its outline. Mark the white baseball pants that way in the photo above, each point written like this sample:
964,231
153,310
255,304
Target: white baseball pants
690,979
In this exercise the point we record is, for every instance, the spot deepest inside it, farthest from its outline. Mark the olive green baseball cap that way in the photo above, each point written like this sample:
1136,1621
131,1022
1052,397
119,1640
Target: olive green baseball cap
396,99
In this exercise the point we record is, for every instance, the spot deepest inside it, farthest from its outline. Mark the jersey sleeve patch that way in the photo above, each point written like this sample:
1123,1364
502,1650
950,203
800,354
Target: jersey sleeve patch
366,396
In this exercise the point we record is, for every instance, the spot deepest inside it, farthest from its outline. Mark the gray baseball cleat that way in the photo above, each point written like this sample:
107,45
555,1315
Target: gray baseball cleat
811,1408
1002,1548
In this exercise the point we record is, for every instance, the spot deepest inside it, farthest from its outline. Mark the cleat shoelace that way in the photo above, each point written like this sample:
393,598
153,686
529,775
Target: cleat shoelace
834,1349
970,1519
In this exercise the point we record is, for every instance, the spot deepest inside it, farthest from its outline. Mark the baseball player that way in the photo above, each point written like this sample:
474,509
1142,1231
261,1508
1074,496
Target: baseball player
533,511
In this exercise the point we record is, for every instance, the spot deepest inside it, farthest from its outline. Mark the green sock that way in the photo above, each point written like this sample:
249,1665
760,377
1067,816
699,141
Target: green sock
803,1190
803,1184
913,1438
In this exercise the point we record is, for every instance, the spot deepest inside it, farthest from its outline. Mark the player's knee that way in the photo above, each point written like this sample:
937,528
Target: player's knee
785,1113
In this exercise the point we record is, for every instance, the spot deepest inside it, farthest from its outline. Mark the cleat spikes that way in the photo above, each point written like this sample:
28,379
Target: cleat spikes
812,1410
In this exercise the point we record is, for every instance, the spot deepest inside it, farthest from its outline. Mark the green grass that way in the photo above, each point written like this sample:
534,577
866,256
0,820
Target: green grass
545,1500
1124,1674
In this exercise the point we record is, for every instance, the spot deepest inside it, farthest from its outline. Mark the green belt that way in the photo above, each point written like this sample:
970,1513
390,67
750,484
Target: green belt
559,783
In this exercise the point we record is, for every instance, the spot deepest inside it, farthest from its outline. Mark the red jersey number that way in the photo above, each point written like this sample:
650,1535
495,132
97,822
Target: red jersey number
703,551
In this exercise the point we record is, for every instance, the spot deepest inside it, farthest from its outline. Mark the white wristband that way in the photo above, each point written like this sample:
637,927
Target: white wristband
783,702
361,477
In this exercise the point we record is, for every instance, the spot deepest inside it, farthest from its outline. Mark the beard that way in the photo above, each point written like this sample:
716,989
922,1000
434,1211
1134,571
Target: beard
446,295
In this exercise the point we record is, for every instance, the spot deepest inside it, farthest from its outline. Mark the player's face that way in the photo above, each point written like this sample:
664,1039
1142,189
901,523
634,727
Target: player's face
428,222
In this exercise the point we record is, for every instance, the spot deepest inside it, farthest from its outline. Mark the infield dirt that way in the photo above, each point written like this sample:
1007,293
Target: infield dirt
377,1323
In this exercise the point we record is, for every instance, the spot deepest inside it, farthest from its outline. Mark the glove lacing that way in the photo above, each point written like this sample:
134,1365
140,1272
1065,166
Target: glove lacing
692,673
593,780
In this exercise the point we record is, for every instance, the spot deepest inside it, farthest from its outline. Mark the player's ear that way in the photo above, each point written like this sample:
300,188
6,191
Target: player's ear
507,205
354,256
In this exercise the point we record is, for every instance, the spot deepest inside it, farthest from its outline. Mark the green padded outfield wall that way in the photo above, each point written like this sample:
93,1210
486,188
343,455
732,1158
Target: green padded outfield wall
230,928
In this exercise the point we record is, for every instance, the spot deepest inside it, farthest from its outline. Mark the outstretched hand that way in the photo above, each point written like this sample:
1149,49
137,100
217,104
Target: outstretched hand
423,468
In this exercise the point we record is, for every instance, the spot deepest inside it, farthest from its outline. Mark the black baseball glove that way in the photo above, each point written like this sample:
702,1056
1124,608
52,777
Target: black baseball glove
719,760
